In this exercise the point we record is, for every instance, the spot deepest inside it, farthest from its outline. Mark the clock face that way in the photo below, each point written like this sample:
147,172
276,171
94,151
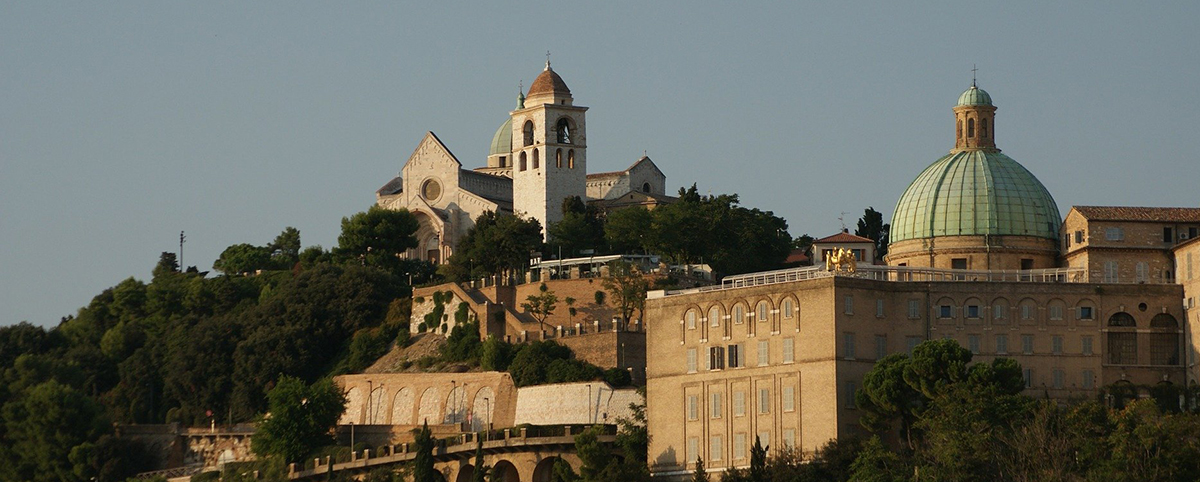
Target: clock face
431,190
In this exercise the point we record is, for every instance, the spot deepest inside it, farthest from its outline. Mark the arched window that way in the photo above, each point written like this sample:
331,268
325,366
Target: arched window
970,127
564,131
571,159
528,133
536,159
1122,320
1122,339
521,163
646,187
959,131
762,310
558,158
1164,340
983,127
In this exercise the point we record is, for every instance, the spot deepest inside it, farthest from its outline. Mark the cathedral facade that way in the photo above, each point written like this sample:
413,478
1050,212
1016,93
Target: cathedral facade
537,158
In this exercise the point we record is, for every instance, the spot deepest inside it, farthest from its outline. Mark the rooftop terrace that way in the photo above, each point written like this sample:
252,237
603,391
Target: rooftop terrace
914,274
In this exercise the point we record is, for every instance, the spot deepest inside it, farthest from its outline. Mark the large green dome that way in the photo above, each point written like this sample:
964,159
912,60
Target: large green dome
973,193
502,141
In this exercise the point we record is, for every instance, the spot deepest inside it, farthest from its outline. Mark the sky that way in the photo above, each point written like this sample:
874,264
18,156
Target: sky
124,123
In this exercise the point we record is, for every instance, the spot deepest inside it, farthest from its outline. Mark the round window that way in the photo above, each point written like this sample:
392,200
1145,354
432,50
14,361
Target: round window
431,190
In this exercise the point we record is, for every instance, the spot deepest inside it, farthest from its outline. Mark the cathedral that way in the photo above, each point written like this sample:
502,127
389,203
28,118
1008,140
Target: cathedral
537,158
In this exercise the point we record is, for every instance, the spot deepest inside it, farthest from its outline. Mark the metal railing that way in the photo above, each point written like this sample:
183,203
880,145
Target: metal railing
915,274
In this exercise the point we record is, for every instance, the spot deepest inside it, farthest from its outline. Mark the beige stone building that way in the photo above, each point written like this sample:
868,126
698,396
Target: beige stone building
978,254
537,158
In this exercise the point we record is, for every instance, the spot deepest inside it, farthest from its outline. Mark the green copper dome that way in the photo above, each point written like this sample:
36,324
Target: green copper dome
975,192
974,96
502,141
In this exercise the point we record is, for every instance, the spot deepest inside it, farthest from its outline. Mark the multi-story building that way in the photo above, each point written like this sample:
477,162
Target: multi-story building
975,256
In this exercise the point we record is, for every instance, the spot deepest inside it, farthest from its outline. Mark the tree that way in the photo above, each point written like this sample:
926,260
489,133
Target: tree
871,225
166,264
877,464
423,461
285,249
628,288
699,474
758,461
243,258
715,230
570,308
581,228
541,305
498,244
45,426
885,397
595,455
628,230
480,474
300,419
377,237
495,354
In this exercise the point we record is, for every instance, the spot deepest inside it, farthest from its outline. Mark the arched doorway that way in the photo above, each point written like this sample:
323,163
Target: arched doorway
465,473
544,471
505,471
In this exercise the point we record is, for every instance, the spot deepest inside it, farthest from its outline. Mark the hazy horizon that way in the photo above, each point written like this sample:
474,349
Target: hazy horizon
125,123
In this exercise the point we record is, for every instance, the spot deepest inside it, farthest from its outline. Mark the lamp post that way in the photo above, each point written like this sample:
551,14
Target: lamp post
488,412
589,400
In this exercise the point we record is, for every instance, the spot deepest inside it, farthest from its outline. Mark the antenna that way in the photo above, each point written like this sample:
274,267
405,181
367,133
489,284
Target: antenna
842,219
181,240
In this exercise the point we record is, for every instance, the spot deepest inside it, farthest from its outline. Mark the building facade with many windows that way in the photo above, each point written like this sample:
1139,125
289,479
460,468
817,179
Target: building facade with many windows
978,254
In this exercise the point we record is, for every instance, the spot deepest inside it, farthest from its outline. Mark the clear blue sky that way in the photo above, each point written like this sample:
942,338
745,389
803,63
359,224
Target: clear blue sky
122,123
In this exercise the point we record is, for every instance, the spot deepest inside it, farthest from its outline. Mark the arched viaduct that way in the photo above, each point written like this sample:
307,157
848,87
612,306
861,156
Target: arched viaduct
519,455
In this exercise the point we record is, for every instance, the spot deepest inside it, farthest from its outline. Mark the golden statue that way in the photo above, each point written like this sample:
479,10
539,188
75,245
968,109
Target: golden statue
840,259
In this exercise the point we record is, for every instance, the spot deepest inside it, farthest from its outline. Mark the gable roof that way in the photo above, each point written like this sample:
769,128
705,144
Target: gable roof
437,143
644,159
1136,213
844,237
395,186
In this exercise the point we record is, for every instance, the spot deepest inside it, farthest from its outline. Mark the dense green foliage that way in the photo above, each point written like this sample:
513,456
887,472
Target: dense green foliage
301,418
695,229
714,230
192,349
498,244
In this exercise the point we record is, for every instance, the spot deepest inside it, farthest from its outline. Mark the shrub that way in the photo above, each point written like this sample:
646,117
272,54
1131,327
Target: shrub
618,377
495,354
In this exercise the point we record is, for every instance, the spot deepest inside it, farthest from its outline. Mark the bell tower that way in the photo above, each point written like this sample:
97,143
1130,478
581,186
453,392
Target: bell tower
549,149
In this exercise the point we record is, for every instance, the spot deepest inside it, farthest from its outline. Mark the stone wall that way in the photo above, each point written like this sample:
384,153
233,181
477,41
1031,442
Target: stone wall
473,400
574,403
440,306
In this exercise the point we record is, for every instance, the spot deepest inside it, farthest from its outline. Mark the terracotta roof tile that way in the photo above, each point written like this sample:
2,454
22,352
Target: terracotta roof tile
844,238
1135,213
